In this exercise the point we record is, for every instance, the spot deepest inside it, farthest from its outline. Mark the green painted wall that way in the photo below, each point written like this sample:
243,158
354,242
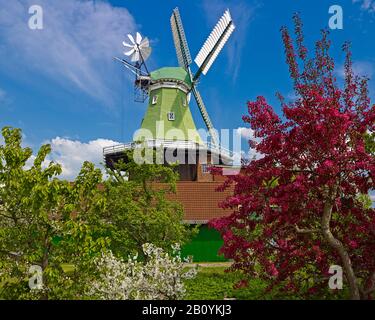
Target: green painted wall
205,246
170,100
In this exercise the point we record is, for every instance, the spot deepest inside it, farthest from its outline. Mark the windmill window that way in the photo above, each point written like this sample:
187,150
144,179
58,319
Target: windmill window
154,99
205,168
171,116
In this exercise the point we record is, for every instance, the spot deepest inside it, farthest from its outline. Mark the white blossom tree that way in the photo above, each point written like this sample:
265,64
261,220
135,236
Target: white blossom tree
159,277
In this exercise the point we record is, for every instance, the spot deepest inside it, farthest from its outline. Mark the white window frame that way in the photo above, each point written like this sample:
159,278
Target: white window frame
154,99
171,116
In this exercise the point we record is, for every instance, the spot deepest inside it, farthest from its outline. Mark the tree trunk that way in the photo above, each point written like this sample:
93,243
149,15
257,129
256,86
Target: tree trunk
369,287
340,249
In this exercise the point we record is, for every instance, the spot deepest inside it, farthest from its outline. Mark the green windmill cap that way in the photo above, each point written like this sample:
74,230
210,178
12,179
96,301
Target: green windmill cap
176,73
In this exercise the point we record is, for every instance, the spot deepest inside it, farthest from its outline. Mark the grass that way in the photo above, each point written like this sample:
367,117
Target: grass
213,283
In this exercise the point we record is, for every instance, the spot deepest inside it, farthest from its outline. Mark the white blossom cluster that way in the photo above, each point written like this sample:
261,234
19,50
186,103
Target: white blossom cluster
159,277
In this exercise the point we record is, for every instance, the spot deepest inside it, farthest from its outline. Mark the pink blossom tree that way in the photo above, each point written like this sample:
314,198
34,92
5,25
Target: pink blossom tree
298,210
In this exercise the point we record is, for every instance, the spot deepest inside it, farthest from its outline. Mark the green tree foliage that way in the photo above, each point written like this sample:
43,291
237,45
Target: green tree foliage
140,210
63,227
370,143
45,221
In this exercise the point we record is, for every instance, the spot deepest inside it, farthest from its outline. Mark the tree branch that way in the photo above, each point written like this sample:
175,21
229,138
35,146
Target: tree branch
305,231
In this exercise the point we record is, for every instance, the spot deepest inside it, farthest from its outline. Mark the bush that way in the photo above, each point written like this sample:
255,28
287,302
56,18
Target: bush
158,278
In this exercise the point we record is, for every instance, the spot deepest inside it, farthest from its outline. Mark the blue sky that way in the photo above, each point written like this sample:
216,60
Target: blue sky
61,85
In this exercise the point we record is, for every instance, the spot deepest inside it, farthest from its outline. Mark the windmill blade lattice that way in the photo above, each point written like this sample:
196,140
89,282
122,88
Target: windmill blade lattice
179,38
214,43
205,58
205,116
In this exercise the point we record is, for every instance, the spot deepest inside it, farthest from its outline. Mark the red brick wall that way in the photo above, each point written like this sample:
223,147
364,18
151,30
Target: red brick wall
201,200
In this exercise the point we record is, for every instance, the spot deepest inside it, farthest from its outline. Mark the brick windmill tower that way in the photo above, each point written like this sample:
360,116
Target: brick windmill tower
168,123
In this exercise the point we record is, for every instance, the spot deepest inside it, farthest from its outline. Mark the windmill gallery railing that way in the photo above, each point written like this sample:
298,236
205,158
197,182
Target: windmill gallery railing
169,144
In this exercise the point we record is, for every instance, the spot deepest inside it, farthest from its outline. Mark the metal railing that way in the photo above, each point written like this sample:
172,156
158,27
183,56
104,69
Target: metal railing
176,144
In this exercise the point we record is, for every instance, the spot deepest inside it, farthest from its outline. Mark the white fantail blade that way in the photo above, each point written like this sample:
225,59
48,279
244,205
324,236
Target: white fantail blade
215,42
127,45
179,38
138,38
131,38
145,52
135,57
129,53
140,50
145,43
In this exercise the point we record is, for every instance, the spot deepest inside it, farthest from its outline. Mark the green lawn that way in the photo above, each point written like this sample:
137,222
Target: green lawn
212,283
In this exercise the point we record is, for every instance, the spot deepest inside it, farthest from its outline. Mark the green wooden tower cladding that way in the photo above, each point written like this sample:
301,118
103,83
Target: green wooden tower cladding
168,115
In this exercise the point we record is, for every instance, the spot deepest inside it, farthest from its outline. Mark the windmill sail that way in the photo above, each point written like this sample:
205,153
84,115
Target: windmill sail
182,49
205,116
214,44
206,56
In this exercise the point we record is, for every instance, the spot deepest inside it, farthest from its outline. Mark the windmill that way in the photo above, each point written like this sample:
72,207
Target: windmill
139,51
169,89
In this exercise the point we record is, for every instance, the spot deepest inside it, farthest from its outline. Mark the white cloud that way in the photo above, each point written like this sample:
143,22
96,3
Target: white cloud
291,95
364,68
368,5
242,14
71,154
360,68
248,134
75,47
